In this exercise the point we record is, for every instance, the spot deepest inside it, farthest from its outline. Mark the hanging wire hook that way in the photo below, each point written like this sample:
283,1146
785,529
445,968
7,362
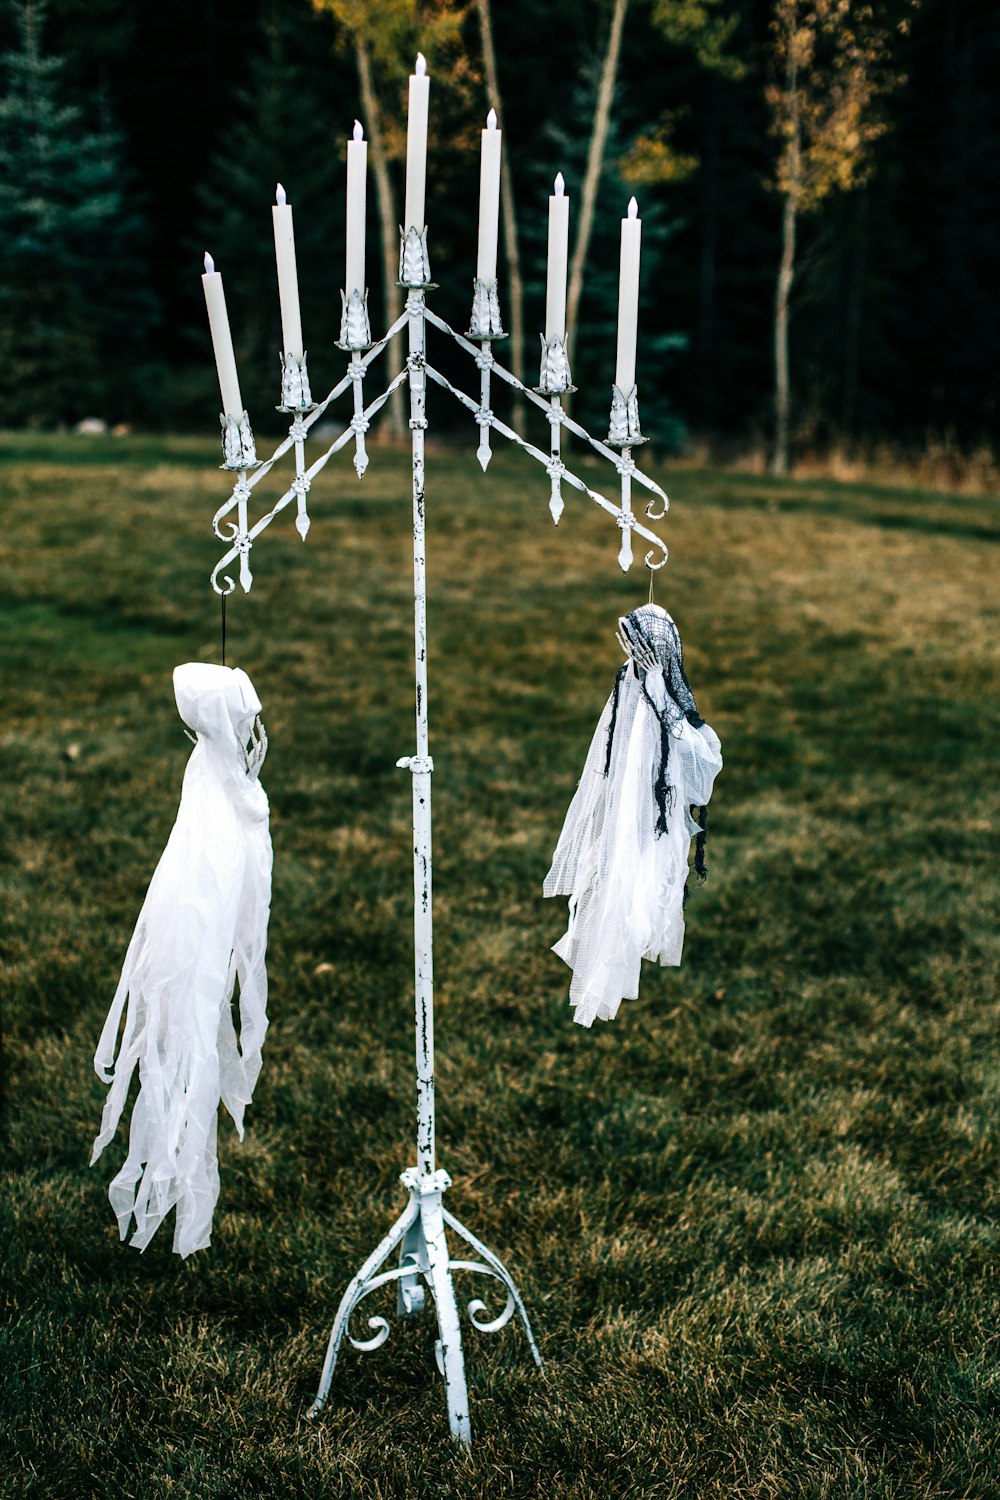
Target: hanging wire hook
223,630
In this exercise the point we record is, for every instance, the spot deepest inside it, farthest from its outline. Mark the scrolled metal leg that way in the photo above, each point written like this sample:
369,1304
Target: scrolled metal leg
358,1288
497,1267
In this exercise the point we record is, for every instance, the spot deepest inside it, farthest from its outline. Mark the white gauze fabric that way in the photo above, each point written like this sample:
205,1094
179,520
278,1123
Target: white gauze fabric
625,876
201,932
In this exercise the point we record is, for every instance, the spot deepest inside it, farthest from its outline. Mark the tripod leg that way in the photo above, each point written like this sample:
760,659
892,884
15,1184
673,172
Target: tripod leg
350,1299
502,1272
450,1358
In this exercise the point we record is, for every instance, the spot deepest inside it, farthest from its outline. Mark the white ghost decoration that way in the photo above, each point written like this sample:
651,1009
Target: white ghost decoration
202,933
622,856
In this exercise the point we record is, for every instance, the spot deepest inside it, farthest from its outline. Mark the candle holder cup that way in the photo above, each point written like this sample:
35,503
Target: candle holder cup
238,447
554,378
355,328
624,430
485,323
295,393
414,265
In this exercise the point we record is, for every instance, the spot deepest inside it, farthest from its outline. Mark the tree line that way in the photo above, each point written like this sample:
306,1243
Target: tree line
819,182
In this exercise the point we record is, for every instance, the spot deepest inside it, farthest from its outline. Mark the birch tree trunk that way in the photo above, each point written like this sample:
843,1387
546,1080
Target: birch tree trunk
395,425
782,387
516,315
592,175
792,185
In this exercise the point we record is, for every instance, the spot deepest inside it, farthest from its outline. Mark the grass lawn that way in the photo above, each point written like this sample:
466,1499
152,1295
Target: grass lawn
755,1219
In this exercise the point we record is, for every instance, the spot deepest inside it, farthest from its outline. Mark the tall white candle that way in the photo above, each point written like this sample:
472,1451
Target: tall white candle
416,147
628,300
222,339
555,292
357,176
489,200
288,281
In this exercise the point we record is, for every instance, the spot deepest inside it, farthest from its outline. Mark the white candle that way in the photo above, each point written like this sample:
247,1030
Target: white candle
416,147
489,200
628,300
555,293
288,281
357,174
222,339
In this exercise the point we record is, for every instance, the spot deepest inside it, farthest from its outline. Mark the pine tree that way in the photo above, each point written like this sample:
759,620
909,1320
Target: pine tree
290,123
72,305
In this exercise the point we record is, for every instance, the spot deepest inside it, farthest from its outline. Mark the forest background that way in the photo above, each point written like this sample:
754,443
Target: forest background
134,137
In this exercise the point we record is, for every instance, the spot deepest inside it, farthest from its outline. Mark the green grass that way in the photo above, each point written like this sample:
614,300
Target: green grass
755,1219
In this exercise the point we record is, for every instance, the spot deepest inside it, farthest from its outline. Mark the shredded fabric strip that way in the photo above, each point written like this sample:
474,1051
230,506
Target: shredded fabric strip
200,939
622,857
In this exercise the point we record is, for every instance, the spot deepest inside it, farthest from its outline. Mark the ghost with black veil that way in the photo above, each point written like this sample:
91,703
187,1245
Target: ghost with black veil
201,934
622,856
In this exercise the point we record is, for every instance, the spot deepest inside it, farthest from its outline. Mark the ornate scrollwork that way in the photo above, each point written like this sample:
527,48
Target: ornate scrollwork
381,1326
490,1325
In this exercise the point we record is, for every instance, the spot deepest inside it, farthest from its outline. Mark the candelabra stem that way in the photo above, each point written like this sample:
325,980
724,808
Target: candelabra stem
421,764
626,519
301,483
555,468
485,362
429,1249
359,421
243,526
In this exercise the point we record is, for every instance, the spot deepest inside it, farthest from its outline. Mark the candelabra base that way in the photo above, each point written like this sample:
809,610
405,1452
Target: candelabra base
424,1261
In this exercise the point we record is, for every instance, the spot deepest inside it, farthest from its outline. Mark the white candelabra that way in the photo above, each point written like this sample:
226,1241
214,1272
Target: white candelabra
420,1234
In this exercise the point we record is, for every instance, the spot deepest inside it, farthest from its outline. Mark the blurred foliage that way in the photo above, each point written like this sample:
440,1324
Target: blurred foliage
895,329
68,235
